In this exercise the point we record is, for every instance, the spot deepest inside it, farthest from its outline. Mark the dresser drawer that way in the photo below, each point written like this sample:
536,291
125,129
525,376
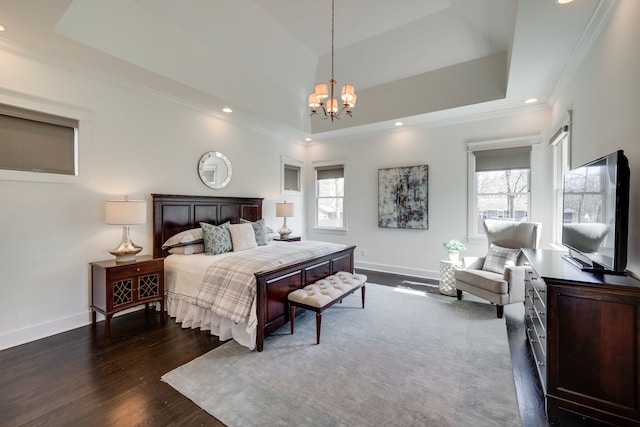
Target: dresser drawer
539,355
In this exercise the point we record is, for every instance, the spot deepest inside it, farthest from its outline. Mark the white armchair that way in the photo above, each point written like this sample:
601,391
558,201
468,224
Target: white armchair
499,276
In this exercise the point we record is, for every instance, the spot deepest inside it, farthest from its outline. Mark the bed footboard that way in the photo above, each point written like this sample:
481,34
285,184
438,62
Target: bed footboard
275,285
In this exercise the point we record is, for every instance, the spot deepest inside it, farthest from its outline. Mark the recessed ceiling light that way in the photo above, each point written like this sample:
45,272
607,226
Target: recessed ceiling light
563,1
307,139
531,100
398,124
227,110
2,28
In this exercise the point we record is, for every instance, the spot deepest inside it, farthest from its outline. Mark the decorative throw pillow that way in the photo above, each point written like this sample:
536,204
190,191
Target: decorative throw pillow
216,238
498,258
196,248
183,238
242,237
259,229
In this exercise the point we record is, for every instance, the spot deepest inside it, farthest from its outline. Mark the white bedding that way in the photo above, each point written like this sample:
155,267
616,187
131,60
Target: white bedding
184,275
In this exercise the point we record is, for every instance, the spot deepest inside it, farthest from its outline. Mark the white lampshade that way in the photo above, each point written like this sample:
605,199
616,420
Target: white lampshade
284,210
347,93
322,91
126,212
313,101
332,105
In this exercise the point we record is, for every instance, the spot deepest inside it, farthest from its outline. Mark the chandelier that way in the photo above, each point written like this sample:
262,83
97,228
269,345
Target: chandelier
330,109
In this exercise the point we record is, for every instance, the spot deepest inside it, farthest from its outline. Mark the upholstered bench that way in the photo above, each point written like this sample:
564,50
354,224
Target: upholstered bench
323,294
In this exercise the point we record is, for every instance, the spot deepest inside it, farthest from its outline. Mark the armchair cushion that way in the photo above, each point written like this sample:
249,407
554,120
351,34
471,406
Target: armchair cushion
498,258
482,279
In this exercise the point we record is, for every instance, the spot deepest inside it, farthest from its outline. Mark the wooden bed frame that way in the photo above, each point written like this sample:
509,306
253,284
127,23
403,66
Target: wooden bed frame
175,213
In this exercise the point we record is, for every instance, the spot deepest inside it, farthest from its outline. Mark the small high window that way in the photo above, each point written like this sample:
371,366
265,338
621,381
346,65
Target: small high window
33,141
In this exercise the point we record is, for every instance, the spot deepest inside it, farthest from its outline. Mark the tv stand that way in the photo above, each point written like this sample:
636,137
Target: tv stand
590,268
584,333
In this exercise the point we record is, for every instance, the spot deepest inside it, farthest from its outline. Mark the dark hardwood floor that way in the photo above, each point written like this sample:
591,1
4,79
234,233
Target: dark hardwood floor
81,377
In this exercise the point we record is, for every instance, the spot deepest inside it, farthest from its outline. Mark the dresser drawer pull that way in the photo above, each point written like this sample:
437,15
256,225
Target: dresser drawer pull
540,363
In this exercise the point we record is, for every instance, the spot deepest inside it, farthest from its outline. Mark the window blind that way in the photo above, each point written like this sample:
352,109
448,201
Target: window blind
37,142
503,159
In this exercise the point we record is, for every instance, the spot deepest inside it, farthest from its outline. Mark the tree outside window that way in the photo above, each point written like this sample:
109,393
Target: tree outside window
502,194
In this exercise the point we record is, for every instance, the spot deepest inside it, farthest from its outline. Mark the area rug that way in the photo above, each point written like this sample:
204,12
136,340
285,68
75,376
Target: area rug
408,359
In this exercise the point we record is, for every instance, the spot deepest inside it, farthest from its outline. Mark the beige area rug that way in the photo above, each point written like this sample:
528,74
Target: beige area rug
407,359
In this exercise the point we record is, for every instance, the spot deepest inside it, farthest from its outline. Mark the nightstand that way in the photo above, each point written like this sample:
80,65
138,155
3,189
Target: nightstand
118,286
288,239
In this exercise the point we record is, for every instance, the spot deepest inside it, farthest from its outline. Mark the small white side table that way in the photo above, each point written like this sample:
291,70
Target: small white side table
448,277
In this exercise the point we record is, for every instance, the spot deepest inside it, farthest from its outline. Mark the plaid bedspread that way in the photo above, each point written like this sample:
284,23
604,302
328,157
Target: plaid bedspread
229,286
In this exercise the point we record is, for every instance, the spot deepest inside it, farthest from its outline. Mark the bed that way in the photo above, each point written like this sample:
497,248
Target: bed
176,213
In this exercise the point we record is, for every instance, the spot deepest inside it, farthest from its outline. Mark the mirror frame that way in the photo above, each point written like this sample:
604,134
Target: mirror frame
203,159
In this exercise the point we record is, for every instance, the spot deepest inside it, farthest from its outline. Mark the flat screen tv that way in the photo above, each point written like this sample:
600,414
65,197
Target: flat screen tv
596,214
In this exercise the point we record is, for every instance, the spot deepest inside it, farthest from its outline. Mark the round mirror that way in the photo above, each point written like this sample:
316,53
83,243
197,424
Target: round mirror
215,170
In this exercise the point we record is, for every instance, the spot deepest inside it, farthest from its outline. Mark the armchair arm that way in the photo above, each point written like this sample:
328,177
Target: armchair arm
514,275
472,262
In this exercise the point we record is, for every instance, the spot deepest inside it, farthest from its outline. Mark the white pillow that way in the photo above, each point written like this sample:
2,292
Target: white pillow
196,248
242,237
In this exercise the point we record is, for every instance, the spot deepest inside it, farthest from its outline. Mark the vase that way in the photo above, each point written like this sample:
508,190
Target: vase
454,256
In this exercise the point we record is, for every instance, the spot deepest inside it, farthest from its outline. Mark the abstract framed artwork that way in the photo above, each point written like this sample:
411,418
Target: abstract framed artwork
403,197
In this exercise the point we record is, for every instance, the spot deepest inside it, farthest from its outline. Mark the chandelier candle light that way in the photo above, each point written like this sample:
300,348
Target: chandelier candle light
284,210
126,212
323,91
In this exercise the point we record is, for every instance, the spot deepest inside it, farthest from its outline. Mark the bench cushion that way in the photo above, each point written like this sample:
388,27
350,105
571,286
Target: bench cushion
327,290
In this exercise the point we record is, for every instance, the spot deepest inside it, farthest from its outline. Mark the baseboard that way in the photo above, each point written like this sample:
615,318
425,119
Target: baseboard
43,330
384,268
57,326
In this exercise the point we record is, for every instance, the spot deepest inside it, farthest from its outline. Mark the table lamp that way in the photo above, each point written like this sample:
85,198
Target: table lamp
126,212
284,210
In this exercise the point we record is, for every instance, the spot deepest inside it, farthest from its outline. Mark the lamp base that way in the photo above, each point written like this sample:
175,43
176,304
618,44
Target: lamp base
285,231
125,253
126,250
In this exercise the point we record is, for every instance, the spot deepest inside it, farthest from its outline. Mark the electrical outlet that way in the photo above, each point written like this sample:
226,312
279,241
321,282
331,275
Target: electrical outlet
363,252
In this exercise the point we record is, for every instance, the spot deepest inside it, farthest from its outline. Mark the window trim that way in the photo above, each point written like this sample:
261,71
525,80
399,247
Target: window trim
322,164
494,144
560,143
287,163
82,144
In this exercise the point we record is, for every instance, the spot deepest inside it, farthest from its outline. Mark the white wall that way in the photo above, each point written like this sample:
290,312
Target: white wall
133,141
141,143
444,149
604,97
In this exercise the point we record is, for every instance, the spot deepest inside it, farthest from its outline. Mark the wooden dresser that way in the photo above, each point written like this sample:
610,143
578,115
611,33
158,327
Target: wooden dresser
584,333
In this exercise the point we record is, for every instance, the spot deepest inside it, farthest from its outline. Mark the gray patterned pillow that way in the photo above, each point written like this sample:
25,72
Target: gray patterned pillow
498,258
187,237
216,238
259,229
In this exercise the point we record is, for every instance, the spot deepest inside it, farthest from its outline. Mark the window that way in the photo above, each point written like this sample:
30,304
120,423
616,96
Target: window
499,182
291,176
32,141
330,196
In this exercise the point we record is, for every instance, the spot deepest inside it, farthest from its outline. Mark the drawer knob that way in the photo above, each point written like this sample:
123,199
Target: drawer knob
137,268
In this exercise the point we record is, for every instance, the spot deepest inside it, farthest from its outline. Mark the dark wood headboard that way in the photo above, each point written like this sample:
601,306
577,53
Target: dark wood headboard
175,213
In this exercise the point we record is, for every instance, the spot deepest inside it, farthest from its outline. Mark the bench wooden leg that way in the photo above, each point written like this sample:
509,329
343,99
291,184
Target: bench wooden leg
292,316
362,290
318,323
